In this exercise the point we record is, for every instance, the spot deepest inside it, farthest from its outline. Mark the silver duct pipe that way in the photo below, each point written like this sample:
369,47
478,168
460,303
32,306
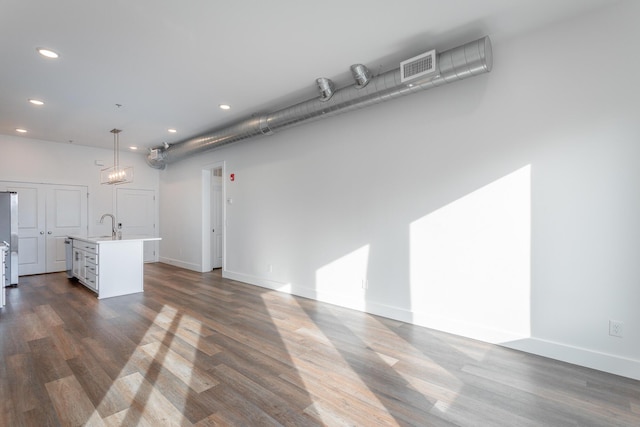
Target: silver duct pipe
455,64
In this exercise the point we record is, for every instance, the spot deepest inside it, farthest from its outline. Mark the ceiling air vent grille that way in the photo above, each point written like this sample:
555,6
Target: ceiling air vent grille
418,66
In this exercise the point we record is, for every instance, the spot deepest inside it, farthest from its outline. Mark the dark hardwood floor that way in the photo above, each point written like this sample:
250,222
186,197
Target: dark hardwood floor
196,349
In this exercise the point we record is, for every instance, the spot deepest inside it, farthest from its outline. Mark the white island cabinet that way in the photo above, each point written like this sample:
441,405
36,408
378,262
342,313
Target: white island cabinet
110,267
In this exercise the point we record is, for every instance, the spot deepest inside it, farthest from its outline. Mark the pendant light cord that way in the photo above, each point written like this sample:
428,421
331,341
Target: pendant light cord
116,149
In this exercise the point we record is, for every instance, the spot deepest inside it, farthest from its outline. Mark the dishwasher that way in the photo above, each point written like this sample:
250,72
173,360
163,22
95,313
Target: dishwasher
68,249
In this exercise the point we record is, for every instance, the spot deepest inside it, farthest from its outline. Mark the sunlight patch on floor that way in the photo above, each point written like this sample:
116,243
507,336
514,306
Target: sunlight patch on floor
147,405
442,386
321,370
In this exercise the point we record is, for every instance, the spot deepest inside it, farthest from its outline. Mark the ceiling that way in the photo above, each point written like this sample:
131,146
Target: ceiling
170,63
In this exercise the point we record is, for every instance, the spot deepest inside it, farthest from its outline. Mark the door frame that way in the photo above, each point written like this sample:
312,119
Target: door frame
207,257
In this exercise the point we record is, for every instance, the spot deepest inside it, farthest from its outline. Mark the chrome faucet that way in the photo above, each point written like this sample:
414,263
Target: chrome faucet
113,224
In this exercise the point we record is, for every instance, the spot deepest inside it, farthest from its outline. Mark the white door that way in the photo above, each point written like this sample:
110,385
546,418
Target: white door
136,212
66,214
31,228
47,213
216,218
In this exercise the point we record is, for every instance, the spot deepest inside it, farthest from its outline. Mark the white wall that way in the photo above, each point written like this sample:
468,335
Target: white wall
503,208
29,160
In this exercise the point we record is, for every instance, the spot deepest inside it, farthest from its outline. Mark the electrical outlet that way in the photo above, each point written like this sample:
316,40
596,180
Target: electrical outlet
616,328
365,284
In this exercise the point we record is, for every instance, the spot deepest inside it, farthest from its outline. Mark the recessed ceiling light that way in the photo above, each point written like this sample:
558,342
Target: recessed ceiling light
21,130
224,107
47,53
36,102
133,147
172,130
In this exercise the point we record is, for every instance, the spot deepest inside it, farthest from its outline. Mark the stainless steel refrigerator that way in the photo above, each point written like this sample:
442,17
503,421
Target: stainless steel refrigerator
9,234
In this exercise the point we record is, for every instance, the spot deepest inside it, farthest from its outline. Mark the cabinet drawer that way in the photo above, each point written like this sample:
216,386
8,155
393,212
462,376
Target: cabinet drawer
85,246
91,280
91,268
90,258
90,247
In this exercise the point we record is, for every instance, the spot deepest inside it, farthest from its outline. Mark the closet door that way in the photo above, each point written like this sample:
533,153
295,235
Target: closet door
47,213
31,227
66,214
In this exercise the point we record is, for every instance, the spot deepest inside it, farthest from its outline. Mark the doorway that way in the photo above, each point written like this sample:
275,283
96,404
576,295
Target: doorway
216,218
213,216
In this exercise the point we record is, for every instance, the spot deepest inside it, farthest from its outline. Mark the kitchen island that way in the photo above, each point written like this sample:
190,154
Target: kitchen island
109,266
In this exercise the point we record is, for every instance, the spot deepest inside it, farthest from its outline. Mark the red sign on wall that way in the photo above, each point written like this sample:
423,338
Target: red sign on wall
232,177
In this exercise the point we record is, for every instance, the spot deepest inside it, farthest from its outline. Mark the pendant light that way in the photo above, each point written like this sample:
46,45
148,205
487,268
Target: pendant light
116,175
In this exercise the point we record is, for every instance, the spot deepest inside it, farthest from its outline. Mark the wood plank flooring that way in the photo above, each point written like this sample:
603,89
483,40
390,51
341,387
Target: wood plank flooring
199,350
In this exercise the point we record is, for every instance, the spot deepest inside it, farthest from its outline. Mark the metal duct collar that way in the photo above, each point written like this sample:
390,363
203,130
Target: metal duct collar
361,75
459,63
326,88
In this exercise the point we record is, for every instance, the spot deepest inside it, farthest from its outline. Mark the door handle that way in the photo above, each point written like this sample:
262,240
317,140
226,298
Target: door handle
49,232
42,232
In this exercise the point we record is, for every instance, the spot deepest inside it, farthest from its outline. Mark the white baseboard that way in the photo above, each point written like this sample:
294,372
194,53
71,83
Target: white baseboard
352,302
610,363
181,264
616,365
258,281
356,302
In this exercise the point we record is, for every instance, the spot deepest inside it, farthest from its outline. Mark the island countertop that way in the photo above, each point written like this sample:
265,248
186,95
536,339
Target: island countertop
109,239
